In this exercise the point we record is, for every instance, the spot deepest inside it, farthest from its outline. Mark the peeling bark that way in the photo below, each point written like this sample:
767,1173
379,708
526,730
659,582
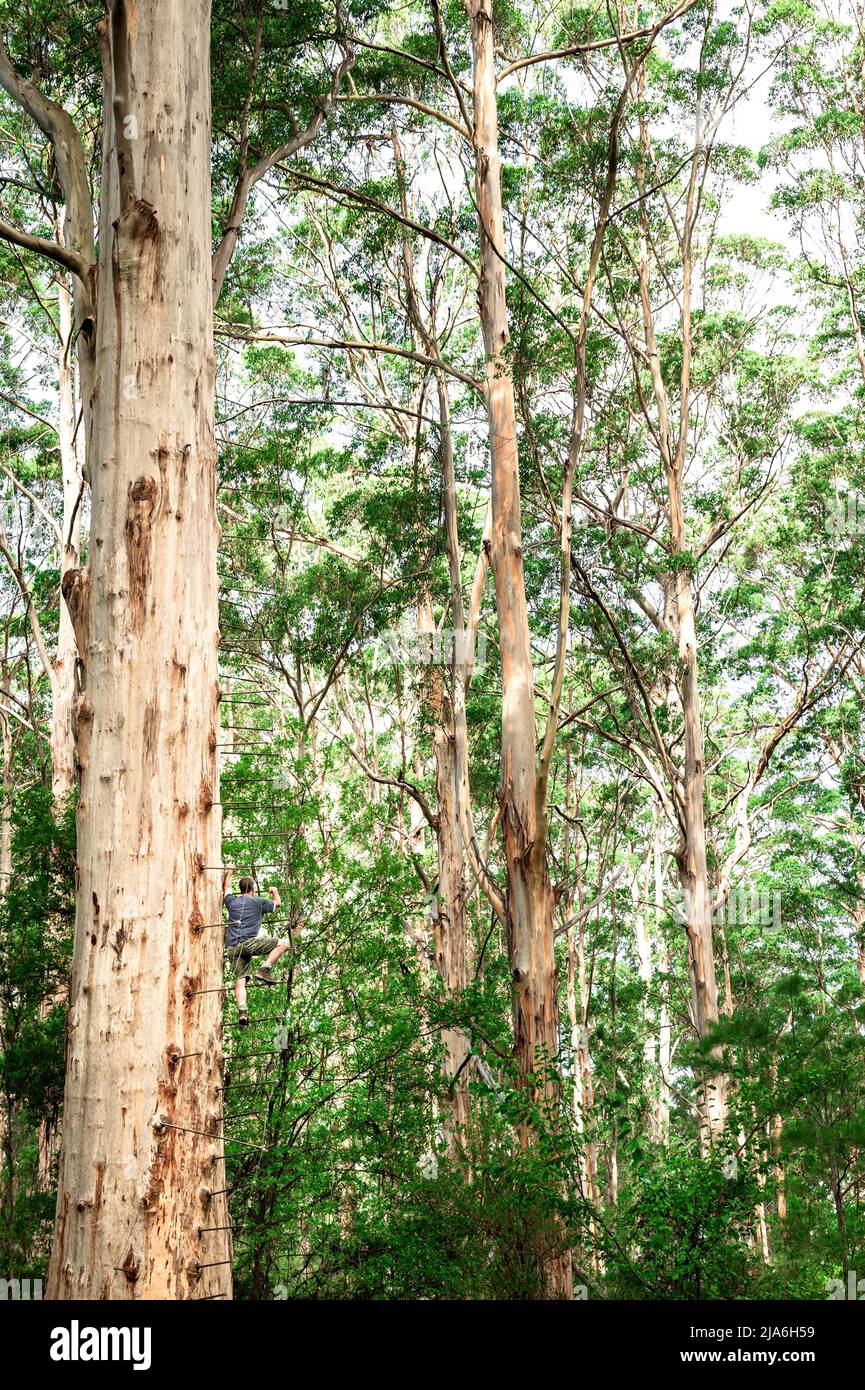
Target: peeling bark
529,904
142,1141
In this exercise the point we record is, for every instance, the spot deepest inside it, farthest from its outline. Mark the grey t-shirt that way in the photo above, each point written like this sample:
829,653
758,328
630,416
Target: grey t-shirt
244,916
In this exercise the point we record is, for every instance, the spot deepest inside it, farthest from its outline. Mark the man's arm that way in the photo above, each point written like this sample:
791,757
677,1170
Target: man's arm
226,878
277,900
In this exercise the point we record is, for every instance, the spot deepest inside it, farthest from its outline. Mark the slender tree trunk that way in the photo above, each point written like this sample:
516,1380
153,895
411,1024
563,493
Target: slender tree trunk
725,962
62,738
71,453
777,1140
576,1008
584,1057
450,738
142,1142
449,935
529,896
6,809
841,1215
451,758
529,899
448,906
576,1030
662,1127
859,927
762,1224
6,1160
859,904
646,971
691,856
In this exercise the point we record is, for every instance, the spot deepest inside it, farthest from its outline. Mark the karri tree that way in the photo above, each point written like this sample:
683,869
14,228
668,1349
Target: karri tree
142,1129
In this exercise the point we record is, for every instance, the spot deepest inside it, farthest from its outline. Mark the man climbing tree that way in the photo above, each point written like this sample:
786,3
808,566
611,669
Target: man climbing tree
244,938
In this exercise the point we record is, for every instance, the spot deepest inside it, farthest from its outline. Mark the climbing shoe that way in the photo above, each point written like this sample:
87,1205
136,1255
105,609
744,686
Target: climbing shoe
265,976
243,1018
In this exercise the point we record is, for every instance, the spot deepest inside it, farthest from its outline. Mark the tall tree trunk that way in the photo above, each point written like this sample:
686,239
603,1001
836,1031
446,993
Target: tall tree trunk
646,971
6,808
529,899
449,928
62,738
777,1139
451,758
837,1187
448,904
691,857
6,1153
71,453
576,998
446,696
142,1128
529,903
662,1126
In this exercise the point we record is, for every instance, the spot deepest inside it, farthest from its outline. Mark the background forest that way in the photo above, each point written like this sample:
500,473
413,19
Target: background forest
578,995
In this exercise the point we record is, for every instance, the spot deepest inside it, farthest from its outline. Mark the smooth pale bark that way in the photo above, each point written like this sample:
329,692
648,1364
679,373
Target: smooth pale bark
448,901
142,1118
762,1225
62,739
449,931
691,858
583,1096
780,1188
646,971
445,696
71,456
777,1139
584,1055
529,896
662,1122
690,853
451,759
577,999
529,899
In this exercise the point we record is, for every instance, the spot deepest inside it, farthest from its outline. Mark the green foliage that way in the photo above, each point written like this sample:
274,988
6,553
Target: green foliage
36,915
708,405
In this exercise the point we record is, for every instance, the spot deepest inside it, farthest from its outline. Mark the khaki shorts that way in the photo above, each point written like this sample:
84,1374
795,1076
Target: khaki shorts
240,956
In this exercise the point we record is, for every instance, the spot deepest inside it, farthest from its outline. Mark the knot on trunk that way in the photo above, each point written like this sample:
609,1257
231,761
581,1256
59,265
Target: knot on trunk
143,490
75,587
141,504
139,222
